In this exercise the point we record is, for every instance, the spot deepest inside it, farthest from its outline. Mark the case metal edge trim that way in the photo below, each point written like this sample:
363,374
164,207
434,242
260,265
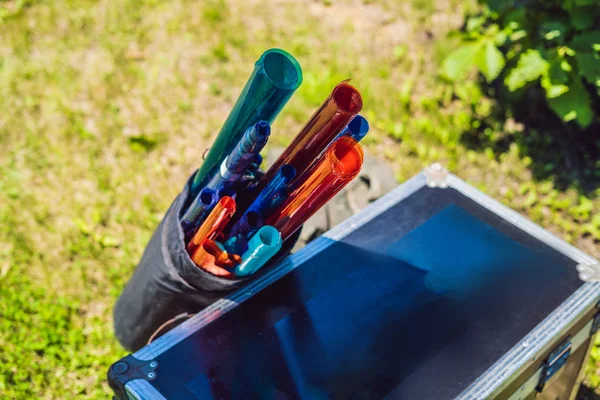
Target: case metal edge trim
501,372
139,389
523,353
338,232
520,221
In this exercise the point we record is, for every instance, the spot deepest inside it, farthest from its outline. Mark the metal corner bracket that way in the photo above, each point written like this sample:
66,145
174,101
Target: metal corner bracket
436,175
128,369
589,272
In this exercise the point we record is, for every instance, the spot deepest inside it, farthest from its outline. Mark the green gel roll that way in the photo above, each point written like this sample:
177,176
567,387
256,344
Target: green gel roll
275,78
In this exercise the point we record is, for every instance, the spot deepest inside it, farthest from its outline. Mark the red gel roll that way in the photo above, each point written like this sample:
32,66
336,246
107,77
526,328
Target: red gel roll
327,122
332,171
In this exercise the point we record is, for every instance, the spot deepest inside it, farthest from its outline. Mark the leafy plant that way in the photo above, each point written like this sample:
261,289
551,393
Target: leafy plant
554,44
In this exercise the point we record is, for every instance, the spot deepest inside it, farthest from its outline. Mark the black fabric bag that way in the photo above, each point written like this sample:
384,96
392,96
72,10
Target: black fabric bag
167,283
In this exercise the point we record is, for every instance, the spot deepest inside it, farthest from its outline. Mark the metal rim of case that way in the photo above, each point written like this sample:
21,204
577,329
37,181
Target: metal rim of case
436,176
139,389
539,339
487,384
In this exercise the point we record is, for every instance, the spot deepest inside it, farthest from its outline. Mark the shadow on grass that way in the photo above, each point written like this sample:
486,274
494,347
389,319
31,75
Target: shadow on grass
563,153
585,393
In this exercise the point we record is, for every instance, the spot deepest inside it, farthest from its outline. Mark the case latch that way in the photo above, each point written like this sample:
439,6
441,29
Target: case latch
128,369
555,361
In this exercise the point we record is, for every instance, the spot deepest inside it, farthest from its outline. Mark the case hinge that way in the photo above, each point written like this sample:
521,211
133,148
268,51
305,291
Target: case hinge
128,369
555,361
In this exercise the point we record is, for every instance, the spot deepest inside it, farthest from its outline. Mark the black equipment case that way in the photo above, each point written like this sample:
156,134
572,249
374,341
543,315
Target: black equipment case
435,291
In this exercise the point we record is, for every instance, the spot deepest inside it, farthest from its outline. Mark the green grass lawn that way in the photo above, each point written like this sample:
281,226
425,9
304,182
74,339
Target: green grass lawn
107,106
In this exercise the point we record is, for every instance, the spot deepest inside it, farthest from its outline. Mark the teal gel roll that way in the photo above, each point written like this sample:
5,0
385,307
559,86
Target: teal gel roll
265,243
275,78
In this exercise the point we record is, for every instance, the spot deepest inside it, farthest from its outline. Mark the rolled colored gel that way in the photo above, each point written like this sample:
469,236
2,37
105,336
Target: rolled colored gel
212,258
274,193
242,231
357,128
214,224
242,156
334,170
197,211
276,76
265,243
327,122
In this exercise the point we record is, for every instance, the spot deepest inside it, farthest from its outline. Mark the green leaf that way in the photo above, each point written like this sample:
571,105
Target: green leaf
492,30
558,73
500,5
551,89
574,105
589,67
468,91
530,67
583,18
490,61
585,41
474,24
563,51
518,35
460,61
554,29
500,38
516,18
555,80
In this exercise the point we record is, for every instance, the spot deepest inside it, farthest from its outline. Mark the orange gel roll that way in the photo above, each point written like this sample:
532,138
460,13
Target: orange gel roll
332,171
